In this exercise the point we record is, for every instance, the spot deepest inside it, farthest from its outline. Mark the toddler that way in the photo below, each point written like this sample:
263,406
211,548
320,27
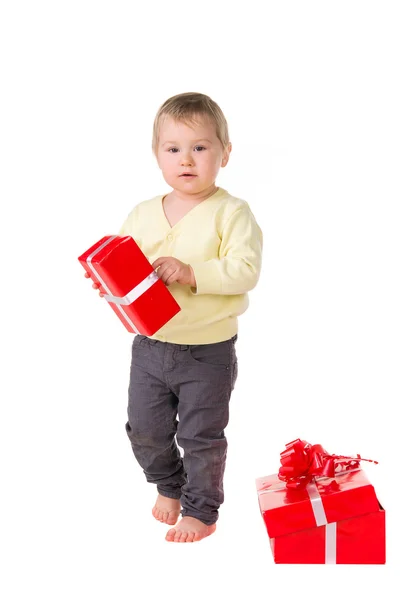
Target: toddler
206,246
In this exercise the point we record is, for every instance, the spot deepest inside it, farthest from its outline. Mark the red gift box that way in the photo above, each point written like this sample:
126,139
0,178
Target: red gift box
131,286
329,520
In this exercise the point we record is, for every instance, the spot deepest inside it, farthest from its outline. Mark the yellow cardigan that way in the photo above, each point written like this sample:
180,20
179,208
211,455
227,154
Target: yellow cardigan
222,242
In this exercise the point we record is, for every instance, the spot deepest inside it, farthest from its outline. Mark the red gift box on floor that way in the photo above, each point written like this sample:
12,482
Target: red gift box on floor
328,520
131,286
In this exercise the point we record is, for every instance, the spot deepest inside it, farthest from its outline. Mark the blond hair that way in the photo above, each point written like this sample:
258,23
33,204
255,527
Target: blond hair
186,108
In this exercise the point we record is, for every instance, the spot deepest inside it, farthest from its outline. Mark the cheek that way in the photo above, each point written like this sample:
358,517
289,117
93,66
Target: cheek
208,163
213,166
165,162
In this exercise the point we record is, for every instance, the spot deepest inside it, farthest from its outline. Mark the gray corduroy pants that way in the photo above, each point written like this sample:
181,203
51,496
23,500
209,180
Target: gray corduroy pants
179,395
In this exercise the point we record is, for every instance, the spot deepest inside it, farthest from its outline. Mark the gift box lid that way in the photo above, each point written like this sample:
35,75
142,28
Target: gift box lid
113,254
325,500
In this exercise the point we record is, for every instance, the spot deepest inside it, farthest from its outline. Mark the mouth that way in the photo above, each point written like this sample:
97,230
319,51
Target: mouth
187,175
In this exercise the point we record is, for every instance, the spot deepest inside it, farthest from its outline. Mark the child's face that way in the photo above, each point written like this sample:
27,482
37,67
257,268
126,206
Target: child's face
190,156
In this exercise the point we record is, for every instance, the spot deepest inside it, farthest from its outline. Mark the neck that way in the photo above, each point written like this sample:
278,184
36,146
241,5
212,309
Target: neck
199,197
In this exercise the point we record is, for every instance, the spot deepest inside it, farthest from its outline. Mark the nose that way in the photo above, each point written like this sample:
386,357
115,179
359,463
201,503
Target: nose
186,158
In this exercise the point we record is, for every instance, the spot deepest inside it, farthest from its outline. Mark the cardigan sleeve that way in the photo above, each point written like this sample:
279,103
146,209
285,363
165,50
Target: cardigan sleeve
238,267
130,227
127,228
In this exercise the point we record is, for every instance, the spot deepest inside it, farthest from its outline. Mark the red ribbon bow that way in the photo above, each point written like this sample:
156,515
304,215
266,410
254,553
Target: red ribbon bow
301,462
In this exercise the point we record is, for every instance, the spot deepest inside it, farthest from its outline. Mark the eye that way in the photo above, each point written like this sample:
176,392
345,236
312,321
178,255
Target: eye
199,148
173,150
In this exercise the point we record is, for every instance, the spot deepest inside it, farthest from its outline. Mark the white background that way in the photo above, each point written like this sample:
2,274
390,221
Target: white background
311,93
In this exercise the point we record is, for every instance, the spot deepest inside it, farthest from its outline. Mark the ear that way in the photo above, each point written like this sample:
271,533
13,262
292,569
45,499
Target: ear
225,156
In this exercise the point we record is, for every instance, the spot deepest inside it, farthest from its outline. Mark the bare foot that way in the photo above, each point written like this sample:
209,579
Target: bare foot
166,510
189,529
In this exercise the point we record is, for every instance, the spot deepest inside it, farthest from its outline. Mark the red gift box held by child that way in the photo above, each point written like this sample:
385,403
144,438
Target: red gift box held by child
207,248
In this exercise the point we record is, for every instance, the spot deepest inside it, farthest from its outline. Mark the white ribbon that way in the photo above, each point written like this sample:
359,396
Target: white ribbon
135,292
320,519
316,504
330,543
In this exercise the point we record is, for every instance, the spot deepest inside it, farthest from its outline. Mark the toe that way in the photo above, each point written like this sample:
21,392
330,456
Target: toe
172,518
197,536
170,535
190,537
184,536
178,534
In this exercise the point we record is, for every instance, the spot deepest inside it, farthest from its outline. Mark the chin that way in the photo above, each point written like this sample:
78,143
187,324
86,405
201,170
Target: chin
193,186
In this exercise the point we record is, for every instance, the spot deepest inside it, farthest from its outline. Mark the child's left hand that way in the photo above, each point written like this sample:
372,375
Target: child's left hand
171,270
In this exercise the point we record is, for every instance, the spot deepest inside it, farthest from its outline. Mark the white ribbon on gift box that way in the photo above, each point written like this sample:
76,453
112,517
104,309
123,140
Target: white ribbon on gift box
135,292
320,519
131,296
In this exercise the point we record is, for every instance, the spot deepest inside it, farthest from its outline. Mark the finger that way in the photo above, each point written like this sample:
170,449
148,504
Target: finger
160,260
95,286
172,277
164,271
87,275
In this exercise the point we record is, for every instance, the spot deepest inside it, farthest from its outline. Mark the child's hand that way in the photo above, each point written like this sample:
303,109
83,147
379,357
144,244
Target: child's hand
171,270
95,286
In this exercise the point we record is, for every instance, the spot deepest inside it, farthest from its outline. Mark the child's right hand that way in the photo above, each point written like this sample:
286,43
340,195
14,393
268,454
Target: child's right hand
95,286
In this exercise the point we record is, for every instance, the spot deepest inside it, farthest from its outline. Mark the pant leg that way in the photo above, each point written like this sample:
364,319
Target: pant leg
152,423
207,375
